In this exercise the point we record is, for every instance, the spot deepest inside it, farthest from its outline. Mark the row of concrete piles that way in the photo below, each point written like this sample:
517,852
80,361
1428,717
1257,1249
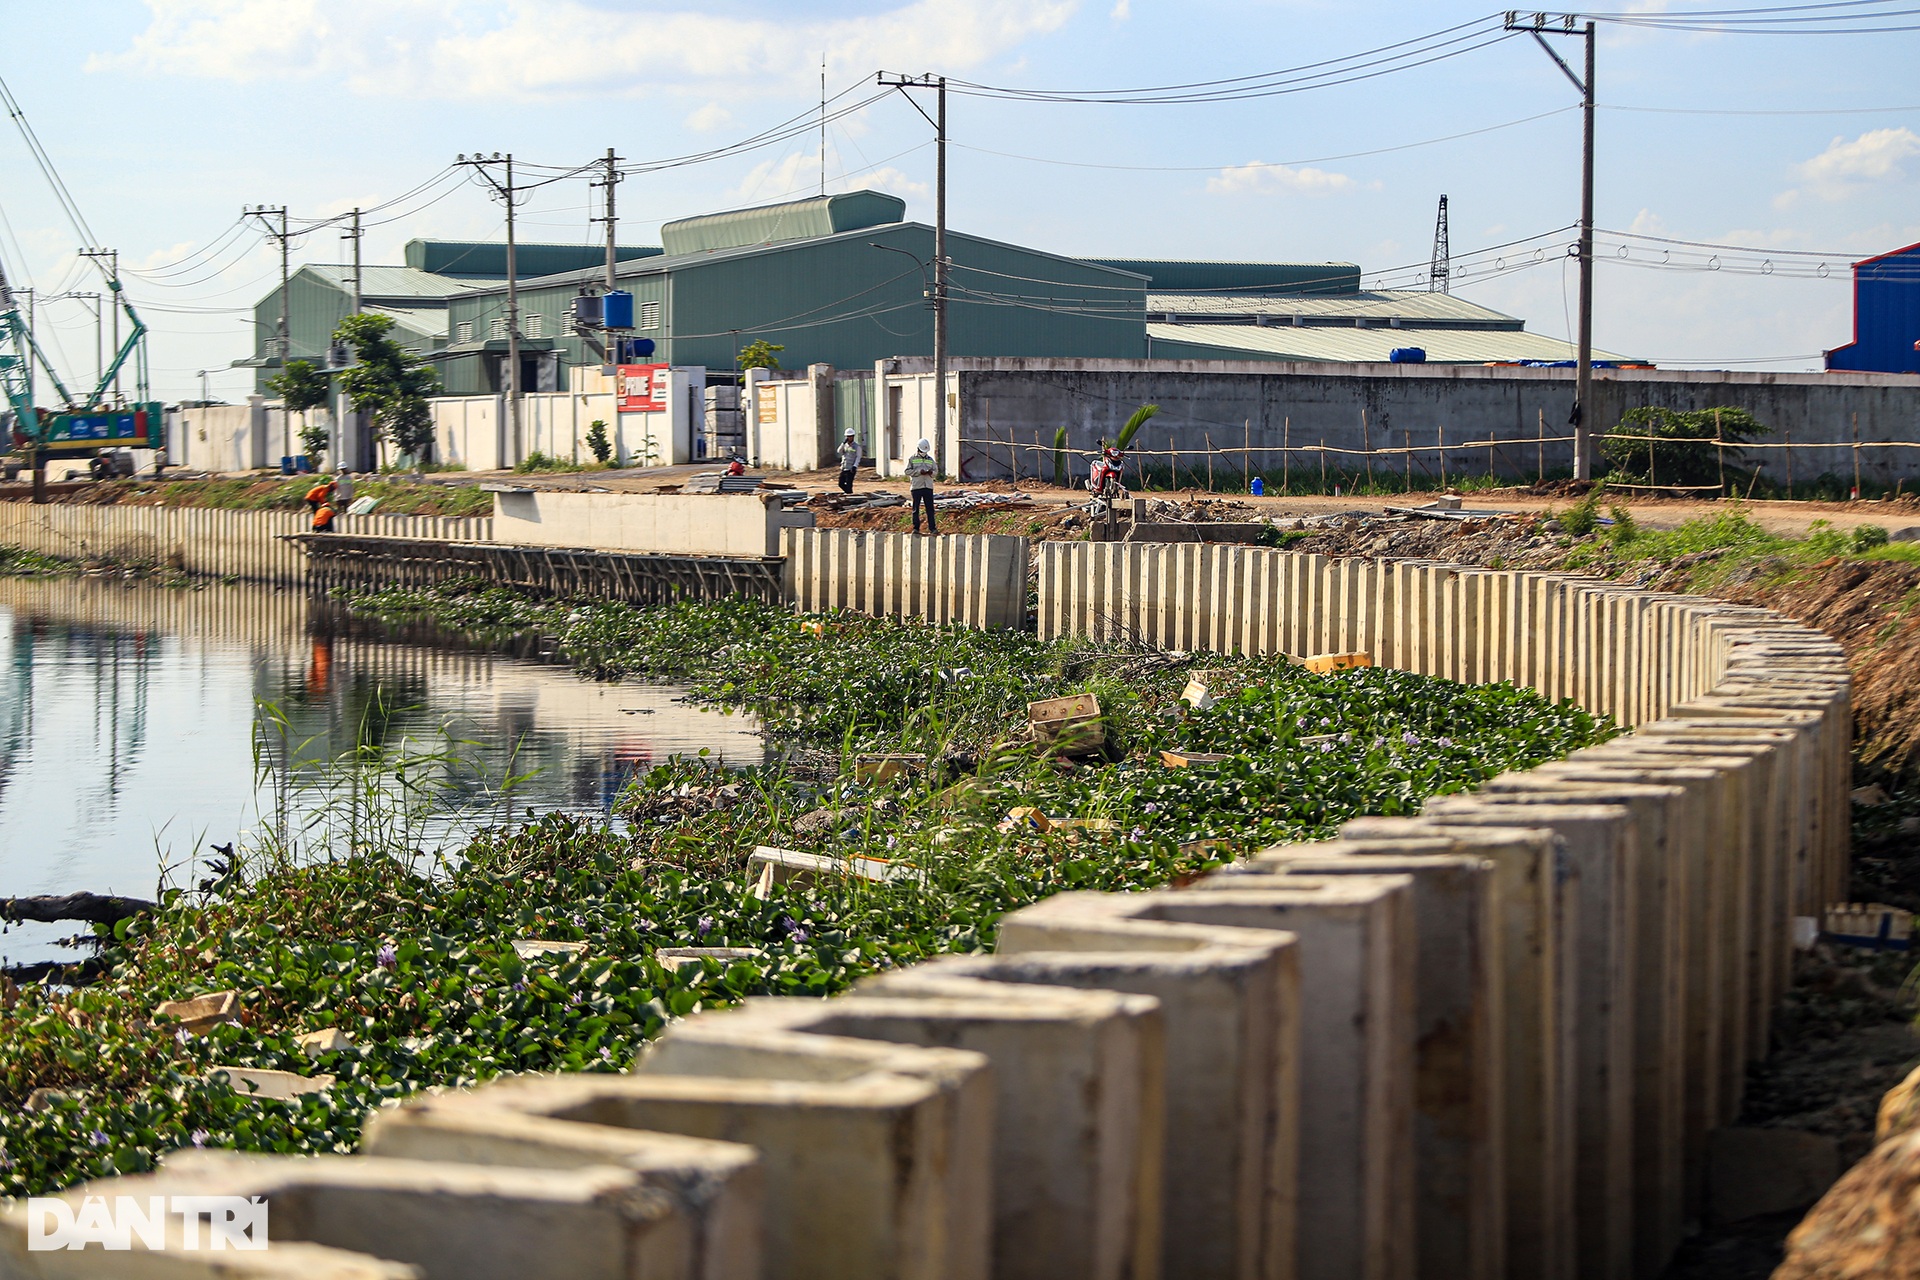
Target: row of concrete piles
1489,1041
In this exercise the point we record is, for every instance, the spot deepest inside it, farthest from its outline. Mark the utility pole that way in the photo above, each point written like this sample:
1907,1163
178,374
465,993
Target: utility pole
354,235
113,283
823,124
939,123
480,165
283,341
608,182
1540,26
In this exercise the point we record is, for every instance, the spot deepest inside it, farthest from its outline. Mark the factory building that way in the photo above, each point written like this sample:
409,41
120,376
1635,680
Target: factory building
415,296
840,280
1886,316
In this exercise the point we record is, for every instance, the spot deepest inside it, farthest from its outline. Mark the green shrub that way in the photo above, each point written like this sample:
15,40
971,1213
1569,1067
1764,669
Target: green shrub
1685,449
598,442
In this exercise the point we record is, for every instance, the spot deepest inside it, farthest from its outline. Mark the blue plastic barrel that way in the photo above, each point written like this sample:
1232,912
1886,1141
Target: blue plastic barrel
1408,355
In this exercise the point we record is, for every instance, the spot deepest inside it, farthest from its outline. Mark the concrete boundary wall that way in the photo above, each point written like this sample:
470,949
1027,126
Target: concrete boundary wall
252,545
978,580
1490,1041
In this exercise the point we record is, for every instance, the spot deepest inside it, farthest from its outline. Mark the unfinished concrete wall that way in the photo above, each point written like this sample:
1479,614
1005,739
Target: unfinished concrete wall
1017,404
978,580
713,524
1490,1041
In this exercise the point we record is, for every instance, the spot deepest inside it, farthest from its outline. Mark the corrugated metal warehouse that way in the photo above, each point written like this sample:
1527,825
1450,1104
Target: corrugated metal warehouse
1886,316
838,280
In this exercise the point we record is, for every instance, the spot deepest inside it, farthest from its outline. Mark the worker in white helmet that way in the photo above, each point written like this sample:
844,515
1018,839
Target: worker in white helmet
920,481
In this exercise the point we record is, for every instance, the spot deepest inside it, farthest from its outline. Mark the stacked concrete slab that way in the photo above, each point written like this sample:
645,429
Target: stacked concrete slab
1489,1041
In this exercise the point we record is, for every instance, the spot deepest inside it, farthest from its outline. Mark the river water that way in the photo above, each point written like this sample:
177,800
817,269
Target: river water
140,725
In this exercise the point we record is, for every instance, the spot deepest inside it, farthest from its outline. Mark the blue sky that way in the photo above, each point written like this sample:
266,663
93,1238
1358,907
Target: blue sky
166,116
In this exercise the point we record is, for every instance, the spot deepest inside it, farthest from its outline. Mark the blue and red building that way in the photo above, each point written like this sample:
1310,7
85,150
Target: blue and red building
1886,316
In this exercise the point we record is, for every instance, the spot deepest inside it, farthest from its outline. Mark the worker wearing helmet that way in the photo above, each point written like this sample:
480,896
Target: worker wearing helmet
920,483
849,460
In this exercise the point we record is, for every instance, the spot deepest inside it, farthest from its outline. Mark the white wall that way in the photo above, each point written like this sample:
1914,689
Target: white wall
790,421
466,431
918,413
667,523
666,439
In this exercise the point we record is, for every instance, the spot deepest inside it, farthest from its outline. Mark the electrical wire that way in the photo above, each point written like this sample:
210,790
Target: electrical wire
1266,164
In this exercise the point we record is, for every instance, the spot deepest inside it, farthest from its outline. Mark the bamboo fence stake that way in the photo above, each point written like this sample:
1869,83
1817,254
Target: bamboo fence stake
1286,453
1246,456
1440,436
1720,449
1789,453
1208,437
1366,442
1856,457
1323,466
1540,450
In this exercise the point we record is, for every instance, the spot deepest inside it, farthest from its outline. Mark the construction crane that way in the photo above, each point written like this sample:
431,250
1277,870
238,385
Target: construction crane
80,426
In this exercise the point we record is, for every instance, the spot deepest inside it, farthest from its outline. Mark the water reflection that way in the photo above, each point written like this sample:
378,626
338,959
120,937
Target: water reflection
130,718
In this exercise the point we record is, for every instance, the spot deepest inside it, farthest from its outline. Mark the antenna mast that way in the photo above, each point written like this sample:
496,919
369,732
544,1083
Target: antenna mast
1439,275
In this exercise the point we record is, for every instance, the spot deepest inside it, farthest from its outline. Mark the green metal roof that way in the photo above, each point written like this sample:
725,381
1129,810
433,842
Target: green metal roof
387,282
422,322
487,259
1354,345
1242,277
771,224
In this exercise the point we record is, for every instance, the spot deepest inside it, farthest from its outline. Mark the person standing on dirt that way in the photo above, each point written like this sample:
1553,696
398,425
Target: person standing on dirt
920,484
342,487
849,461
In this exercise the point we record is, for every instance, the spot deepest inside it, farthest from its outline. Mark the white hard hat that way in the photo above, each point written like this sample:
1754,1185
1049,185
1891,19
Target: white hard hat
849,433
925,446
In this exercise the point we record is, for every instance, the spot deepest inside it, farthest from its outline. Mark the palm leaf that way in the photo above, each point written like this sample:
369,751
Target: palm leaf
1137,421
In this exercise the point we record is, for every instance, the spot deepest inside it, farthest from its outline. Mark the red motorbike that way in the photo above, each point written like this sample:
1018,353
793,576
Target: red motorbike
1108,490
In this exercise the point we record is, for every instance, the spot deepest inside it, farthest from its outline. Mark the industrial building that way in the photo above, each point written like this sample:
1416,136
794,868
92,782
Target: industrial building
1886,316
843,280
839,280
319,296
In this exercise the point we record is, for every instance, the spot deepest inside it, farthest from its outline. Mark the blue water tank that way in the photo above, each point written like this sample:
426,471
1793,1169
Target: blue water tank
1408,355
587,311
635,350
617,307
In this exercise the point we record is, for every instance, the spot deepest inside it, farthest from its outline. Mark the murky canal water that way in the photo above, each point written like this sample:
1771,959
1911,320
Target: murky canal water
140,725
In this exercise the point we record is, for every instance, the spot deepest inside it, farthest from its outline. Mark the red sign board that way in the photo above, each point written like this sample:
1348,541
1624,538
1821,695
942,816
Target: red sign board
643,388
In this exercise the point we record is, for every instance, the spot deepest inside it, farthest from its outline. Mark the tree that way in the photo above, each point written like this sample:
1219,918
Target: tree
389,384
759,354
597,440
304,385
1684,448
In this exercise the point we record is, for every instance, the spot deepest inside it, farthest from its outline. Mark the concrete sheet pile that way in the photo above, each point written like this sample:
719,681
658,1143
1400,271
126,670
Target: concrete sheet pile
1488,1042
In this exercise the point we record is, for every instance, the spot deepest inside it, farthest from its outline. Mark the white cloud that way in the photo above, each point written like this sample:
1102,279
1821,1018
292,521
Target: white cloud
1847,166
1122,10
1260,177
546,49
708,118
887,178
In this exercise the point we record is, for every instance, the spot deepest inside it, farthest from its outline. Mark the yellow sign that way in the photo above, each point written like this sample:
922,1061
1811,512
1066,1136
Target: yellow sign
769,409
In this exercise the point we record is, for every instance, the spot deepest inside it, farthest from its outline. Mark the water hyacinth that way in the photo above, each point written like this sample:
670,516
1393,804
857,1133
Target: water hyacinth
416,961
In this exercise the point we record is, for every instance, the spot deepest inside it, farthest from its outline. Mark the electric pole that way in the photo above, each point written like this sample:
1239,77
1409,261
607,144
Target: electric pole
608,182
113,283
283,341
1539,27
480,165
939,123
354,235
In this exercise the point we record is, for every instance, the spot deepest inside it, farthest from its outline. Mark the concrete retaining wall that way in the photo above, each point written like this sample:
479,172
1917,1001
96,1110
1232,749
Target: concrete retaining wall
740,524
1486,1042
202,540
978,580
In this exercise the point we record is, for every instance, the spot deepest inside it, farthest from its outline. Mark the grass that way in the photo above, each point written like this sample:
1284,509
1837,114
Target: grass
1710,549
18,562
406,946
397,496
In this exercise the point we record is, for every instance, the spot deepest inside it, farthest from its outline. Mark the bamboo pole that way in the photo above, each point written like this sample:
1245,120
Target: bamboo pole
1856,457
1441,437
1246,455
1366,443
1789,433
1208,437
1323,465
1720,449
1540,451
1286,453
1407,435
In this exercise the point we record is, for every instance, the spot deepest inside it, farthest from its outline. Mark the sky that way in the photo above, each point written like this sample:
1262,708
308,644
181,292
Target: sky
165,118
